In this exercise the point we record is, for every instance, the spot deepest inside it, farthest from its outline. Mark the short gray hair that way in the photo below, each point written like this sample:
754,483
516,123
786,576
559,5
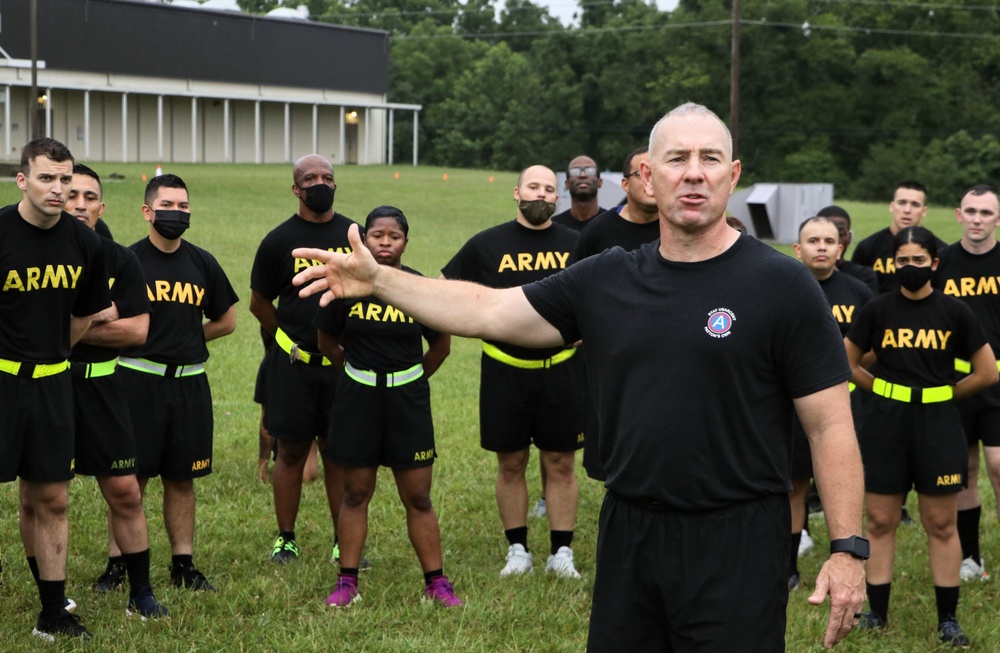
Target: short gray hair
685,110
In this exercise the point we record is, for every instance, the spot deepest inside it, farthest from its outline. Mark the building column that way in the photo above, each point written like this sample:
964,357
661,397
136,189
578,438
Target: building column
226,156
6,118
86,125
416,117
124,127
258,147
288,133
389,157
343,136
315,147
48,113
194,130
368,115
159,129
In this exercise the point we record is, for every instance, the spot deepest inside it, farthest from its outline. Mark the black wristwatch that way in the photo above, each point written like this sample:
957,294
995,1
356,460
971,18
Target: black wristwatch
856,545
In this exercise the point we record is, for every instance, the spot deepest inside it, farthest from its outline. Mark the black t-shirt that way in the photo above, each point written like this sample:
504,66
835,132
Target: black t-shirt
102,229
694,366
566,219
184,288
48,275
375,336
509,255
916,341
274,267
862,273
846,295
975,280
876,252
128,292
610,229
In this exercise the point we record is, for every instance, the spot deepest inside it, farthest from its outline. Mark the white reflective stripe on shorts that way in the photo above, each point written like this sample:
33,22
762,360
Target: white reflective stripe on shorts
392,379
160,369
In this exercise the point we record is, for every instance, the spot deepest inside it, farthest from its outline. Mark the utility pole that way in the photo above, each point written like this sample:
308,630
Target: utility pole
734,80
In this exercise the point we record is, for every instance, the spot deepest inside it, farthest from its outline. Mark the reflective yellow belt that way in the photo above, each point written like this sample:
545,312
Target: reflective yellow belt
32,370
161,369
907,395
384,379
527,364
851,387
93,370
965,367
294,353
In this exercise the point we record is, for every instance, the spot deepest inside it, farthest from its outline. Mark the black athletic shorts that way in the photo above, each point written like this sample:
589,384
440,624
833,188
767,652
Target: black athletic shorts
382,426
919,446
173,423
980,421
36,428
299,398
105,445
707,581
260,387
802,467
518,407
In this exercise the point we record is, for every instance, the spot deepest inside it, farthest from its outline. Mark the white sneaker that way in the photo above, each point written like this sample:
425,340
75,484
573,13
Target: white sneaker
518,561
970,570
805,544
561,563
539,509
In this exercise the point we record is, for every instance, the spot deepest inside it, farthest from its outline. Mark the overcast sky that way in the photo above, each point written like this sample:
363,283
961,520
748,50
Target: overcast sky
564,9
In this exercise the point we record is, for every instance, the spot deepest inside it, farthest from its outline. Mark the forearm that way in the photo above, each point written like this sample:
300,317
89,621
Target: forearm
436,353
119,334
984,373
264,311
77,327
223,326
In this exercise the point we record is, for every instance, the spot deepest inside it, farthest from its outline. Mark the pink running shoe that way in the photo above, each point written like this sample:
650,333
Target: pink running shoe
441,591
345,592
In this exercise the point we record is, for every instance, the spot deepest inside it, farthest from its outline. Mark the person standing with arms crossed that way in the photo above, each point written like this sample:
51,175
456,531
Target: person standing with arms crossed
54,282
671,330
169,397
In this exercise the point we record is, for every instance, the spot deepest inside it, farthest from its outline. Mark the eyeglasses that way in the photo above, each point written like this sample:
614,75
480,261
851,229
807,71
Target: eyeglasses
633,174
590,171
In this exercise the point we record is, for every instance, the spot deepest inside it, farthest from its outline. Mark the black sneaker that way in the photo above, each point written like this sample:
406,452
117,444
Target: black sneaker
62,625
871,621
189,578
793,582
145,606
949,632
904,517
113,578
284,551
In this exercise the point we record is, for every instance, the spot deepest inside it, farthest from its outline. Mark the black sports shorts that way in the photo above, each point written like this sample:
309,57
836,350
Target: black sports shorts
36,428
299,398
105,445
980,420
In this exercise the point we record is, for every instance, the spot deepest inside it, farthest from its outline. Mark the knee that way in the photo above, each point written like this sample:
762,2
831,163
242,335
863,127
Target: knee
881,525
513,466
293,453
123,496
356,497
420,502
939,528
561,467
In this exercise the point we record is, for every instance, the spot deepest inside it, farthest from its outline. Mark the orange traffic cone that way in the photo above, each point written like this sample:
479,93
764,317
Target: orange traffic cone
144,176
159,170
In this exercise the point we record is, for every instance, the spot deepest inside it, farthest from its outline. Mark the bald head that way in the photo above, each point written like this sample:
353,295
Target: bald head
684,113
533,172
310,163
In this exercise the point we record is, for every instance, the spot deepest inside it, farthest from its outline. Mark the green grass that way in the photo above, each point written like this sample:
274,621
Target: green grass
261,607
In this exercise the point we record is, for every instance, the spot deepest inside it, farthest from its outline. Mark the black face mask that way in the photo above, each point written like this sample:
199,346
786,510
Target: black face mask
536,211
171,224
319,197
913,278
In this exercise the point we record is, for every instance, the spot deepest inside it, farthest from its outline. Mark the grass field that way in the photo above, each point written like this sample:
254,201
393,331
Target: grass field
261,607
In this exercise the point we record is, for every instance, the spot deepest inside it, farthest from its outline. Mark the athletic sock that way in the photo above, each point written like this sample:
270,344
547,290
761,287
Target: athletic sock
517,535
560,539
793,552
53,596
349,571
137,566
968,532
947,602
290,535
182,561
116,560
431,575
878,599
33,566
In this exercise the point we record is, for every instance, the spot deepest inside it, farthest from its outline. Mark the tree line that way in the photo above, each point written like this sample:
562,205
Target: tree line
860,93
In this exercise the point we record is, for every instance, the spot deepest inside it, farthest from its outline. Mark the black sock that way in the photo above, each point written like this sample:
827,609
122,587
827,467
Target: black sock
793,552
290,535
116,560
947,602
431,575
349,571
968,532
33,566
182,561
517,535
878,599
53,596
559,539
137,565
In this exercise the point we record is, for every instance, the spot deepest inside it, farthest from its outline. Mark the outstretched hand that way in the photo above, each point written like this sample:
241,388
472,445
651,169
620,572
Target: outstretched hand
843,578
340,275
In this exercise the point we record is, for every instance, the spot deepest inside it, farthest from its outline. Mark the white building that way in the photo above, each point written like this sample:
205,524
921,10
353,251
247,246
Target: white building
128,80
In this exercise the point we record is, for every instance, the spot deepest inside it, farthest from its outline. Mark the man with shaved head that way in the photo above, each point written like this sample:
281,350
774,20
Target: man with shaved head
528,395
699,346
583,181
300,380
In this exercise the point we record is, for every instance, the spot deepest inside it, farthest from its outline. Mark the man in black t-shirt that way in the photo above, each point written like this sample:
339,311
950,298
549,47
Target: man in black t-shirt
583,180
698,347
54,282
169,397
528,395
842,220
300,380
105,445
969,270
908,208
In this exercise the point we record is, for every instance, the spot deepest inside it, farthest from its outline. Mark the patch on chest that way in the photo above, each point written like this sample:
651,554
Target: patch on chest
720,322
